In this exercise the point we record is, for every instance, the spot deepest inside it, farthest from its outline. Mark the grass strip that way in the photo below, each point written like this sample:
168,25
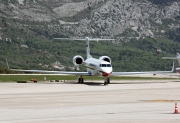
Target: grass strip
15,78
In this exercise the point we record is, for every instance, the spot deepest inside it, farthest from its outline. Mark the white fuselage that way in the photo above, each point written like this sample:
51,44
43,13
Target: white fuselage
98,67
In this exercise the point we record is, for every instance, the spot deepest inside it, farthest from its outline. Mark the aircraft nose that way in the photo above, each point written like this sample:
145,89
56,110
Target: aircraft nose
106,71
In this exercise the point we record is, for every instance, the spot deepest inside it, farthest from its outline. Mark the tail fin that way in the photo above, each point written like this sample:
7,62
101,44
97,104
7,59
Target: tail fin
87,39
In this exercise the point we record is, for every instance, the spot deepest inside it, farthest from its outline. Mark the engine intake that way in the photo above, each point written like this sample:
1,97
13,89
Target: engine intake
105,58
78,60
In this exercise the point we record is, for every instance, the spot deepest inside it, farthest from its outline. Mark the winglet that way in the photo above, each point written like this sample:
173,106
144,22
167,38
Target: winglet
172,68
7,64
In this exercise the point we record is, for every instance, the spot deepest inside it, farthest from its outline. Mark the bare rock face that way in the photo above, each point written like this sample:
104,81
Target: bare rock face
106,18
70,9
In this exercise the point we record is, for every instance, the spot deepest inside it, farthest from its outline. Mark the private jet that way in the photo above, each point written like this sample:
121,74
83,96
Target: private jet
95,66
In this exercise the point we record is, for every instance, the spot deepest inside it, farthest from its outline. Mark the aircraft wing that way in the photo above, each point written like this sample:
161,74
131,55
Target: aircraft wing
53,72
144,72
132,73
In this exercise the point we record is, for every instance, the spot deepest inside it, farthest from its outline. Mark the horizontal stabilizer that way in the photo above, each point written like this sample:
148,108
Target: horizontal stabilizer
170,57
84,39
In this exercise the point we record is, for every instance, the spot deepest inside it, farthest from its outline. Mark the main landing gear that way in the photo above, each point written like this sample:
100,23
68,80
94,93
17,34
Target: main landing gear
106,81
80,80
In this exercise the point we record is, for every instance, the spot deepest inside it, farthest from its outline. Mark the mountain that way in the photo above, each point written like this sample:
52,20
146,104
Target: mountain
144,31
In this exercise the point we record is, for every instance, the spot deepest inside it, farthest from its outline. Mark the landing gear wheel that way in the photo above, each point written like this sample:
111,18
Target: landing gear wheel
106,81
80,80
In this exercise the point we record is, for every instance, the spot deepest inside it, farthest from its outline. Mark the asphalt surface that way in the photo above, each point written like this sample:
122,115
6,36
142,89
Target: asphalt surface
120,102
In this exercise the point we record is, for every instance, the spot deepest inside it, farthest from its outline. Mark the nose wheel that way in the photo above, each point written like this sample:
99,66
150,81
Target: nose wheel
106,81
80,80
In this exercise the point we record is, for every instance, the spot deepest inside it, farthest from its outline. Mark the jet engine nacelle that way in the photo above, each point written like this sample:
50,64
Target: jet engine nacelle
178,70
78,60
105,58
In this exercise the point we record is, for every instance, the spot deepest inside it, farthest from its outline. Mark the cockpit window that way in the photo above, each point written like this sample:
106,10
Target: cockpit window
105,65
108,65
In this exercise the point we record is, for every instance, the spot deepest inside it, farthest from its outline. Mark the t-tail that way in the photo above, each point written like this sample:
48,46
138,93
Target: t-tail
87,39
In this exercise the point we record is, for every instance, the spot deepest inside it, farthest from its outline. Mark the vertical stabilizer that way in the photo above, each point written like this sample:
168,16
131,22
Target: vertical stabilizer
87,48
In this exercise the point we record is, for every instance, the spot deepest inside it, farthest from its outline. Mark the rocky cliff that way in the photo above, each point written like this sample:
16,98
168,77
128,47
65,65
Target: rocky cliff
95,18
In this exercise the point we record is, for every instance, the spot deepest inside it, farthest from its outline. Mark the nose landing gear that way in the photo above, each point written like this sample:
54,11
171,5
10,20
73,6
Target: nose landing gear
106,81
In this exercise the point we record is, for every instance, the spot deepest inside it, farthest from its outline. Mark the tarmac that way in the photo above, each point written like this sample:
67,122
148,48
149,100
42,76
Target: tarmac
138,101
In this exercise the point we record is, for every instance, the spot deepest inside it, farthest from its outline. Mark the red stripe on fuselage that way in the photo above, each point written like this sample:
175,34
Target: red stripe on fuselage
105,74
